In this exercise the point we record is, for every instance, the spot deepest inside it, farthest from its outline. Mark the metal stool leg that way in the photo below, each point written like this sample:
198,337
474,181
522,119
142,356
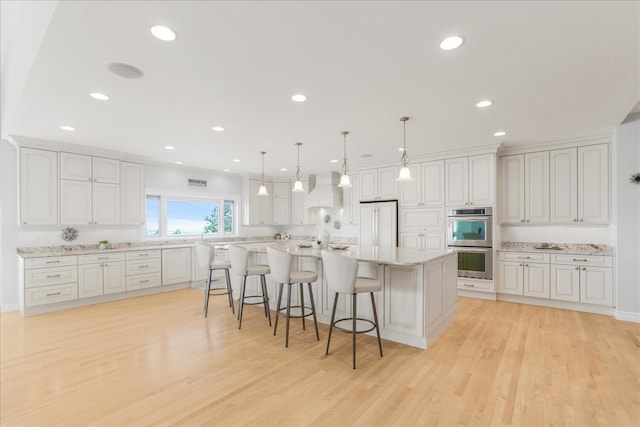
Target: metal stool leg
354,301
229,289
286,341
207,289
265,298
275,329
313,310
333,317
375,317
241,302
302,305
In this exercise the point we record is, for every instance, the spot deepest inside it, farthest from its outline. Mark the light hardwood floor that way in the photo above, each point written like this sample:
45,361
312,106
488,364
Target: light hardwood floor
157,360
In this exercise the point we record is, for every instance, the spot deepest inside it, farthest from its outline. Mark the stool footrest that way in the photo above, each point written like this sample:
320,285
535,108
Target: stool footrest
305,313
253,303
350,319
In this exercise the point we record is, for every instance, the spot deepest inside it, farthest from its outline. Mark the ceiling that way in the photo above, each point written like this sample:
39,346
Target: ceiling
554,70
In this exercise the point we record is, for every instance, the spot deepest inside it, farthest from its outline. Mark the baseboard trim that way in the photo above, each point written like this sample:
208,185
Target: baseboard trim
7,308
627,316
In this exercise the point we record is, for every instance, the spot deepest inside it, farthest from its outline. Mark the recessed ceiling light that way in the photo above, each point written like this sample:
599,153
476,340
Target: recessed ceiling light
99,96
484,103
125,70
334,161
236,160
283,169
500,133
451,43
69,128
169,147
299,98
218,128
163,33
178,163
226,170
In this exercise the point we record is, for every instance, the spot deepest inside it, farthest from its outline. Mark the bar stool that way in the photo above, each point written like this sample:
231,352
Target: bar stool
341,275
239,257
280,263
206,257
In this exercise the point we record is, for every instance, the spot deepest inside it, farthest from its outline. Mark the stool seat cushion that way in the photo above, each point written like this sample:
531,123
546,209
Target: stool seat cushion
216,265
364,284
303,276
257,269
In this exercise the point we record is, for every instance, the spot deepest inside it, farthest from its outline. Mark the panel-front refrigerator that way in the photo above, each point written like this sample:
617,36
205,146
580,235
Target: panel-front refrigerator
379,223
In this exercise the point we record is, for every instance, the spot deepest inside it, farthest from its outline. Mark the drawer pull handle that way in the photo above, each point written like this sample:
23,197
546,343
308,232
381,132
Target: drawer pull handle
143,254
53,276
144,266
144,281
524,257
468,285
53,294
582,260
53,262
103,257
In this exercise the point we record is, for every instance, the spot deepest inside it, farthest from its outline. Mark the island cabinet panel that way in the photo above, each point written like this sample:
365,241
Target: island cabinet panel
451,292
403,294
434,303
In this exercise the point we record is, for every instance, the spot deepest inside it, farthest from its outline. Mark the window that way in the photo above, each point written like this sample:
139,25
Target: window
171,216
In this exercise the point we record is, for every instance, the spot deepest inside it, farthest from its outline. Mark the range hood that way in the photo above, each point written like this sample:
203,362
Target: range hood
326,193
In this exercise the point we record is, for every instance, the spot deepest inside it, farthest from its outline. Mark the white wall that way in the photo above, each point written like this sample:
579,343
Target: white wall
627,162
8,227
601,234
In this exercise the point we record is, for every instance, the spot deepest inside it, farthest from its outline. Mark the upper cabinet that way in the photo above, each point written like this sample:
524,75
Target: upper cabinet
79,167
580,184
470,180
281,203
132,194
259,208
427,187
524,188
38,186
378,184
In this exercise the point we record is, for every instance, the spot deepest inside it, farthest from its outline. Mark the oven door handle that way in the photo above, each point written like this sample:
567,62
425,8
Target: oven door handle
470,218
470,249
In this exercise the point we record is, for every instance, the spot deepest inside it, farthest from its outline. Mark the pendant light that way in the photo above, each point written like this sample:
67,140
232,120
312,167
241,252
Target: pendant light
405,173
297,186
345,181
262,191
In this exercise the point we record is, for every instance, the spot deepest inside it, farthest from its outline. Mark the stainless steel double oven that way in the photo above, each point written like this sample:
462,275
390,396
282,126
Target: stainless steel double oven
470,234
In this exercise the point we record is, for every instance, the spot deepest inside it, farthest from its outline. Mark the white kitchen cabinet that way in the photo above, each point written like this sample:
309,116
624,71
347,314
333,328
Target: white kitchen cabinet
49,280
378,225
176,265
260,209
351,202
281,203
427,187
299,212
80,167
100,274
584,279
403,299
524,274
470,180
565,282
132,194
422,228
525,188
378,184
143,269
106,203
579,180
38,187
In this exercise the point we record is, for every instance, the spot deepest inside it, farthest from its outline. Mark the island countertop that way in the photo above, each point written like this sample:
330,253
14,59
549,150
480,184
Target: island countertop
387,255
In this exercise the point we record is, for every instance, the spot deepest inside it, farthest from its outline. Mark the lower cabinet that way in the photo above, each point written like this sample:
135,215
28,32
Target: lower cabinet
143,269
524,274
176,265
101,274
48,280
579,283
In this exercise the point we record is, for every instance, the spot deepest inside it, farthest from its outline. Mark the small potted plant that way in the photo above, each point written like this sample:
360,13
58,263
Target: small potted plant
103,244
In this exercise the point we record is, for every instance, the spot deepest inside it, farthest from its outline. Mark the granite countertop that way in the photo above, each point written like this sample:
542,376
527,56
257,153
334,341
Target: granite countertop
558,248
375,254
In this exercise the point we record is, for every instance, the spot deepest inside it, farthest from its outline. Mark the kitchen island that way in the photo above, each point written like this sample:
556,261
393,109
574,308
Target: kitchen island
419,293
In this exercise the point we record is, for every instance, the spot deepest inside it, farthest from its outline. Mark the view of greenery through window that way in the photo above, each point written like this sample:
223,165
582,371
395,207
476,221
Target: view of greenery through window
189,216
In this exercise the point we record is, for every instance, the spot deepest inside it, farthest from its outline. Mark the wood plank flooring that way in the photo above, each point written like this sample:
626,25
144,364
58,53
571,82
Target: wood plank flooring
156,360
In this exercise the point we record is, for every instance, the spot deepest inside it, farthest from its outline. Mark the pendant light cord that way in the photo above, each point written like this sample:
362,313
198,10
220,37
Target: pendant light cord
345,168
405,157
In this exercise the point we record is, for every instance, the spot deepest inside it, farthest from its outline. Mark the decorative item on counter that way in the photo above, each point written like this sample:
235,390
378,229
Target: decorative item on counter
285,236
337,225
69,234
323,240
327,219
635,178
278,236
103,244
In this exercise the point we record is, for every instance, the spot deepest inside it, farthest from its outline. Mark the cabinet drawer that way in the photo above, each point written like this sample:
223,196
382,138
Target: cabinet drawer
54,261
155,253
143,281
97,258
475,285
51,294
524,256
143,266
600,261
50,276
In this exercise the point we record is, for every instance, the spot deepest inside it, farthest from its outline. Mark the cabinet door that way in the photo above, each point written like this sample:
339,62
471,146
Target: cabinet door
403,300
563,176
433,241
411,240
281,208
90,281
132,194
114,277
176,265
387,217
368,184
536,280
266,205
38,186
76,166
411,191
75,202
430,220
511,278
457,181
536,202
260,206
432,183
106,170
565,282
482,179
512,189
387,185
593,184
106,203
596,285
